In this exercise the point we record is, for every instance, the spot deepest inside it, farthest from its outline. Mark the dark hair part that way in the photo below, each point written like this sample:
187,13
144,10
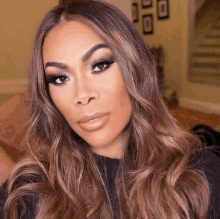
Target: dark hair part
153,180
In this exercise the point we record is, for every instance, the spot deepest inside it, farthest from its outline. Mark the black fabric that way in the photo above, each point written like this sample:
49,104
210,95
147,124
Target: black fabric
30,201
108,168
207,135
210,163
3,198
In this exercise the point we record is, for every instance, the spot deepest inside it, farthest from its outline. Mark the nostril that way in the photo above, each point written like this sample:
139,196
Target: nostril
85,100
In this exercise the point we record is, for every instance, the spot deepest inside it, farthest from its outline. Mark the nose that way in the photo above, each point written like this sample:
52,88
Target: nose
84,92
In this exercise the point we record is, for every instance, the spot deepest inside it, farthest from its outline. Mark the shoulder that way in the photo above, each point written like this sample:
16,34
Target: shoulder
209,163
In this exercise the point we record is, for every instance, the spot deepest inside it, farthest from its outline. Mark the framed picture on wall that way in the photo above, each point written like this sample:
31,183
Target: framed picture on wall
135,12
146,3
162,9
148,27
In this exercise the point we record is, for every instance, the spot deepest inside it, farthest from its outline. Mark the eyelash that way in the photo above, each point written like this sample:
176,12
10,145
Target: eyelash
52,79
102,62
63,78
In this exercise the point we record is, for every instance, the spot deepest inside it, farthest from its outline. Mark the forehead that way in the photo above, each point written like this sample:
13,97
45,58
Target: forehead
70,36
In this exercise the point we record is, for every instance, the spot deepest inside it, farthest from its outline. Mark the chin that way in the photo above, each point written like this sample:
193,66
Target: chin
98,143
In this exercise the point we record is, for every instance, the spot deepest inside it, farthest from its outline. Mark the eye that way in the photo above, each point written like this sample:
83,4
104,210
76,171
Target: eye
101,66
57,79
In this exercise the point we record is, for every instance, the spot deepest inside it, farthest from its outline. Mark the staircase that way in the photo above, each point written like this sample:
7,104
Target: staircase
205,58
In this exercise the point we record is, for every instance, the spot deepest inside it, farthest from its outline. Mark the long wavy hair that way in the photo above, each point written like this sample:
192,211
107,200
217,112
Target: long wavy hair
61,174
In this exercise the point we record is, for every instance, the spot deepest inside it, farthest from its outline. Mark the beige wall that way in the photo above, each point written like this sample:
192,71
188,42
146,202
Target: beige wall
173,34
170,34
123,5
19,21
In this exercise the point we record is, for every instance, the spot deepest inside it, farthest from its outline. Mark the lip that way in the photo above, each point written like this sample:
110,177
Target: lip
94,123
91,116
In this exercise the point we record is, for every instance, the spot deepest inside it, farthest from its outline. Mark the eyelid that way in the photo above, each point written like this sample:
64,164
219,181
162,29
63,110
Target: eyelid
102,60
51,78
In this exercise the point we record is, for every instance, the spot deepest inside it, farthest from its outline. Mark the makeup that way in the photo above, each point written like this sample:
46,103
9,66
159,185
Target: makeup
105,62
91,95
57,79
98,66
94,124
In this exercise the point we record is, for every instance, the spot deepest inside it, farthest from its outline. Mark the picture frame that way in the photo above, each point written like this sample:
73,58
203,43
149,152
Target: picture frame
148,26
135,12
147,3
162,9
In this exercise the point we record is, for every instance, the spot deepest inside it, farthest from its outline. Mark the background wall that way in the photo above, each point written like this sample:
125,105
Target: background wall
173,34
19,21
123,5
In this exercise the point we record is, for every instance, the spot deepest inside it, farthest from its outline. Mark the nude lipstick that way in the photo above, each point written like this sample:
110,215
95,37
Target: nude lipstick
93,121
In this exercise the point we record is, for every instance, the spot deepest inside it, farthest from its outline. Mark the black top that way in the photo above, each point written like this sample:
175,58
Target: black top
210,164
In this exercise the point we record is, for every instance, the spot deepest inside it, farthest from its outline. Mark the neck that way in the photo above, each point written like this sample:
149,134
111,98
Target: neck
114,150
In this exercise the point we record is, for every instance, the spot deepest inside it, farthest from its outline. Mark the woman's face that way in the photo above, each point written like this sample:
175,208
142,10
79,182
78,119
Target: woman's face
84,79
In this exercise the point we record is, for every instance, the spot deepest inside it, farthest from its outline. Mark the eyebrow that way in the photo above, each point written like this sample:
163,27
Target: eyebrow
92,50
84,58
57,65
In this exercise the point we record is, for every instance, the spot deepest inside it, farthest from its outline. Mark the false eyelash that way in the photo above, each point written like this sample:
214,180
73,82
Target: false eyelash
101,61
51,79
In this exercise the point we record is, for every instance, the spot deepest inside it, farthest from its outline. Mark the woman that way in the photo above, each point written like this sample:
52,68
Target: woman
102,143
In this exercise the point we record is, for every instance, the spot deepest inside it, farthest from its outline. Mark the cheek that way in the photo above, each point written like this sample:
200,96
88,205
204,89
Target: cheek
60,98
121,101
125,104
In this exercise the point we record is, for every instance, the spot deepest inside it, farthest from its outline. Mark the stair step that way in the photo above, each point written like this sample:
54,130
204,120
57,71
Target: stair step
206,54
216,27
209,45
205,72
212,36
206,60
214,72
210,41
206,79
200,49
215,32
205,65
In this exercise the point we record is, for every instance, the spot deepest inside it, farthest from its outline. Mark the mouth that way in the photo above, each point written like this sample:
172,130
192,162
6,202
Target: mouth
94,122
91,117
